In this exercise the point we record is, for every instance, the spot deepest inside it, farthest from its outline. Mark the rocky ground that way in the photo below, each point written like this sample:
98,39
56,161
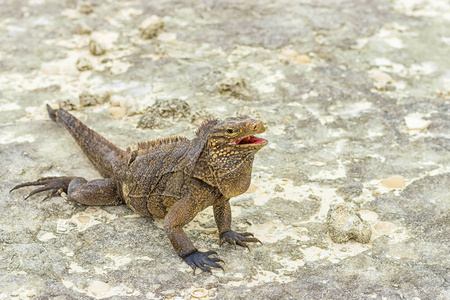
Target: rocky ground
352,93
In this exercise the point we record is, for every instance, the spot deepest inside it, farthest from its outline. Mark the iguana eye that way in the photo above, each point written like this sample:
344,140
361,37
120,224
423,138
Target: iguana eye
230,130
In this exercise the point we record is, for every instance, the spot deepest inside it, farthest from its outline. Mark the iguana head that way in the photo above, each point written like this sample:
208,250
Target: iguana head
234,136
229,151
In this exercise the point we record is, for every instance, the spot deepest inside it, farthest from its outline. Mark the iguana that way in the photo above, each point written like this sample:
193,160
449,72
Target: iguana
173,178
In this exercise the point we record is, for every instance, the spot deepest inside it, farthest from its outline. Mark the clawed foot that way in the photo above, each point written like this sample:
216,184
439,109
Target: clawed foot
54,185
203,261
235,238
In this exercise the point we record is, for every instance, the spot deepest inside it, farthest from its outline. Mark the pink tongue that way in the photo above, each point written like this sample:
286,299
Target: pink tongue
245,140
249,140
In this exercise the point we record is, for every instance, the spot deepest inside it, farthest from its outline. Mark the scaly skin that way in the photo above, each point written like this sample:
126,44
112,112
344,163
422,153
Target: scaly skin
173,178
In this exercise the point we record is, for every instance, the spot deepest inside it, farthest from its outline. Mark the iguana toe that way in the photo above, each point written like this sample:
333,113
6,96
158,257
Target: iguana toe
54,185
202,260
235,238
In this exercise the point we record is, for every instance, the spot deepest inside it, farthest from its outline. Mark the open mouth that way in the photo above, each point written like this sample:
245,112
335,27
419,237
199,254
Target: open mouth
250,140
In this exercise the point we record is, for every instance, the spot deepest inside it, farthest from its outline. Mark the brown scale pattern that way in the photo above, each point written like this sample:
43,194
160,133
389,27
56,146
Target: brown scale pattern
173,178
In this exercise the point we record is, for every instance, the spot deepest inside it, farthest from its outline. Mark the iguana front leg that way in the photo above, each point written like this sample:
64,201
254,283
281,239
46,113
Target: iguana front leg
180,214
222,215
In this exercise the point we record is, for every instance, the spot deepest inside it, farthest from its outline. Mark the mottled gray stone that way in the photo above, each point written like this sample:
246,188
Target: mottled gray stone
344,223
162,112
331,134
151,27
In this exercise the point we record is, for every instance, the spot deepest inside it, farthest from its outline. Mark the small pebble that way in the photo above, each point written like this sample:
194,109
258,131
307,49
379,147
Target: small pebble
31,294
21,273
168,293
167,37
67,104
210,283
315,197
85,7
115,100
344,223
96,48
303,59
394,182
236,86
84,219
97,288
289,53
358,200
251,189
299,58
151,27
385,227
211,231
416,123
50,69
46,236
380,79
368,215
212,294
199,293
87,99
83,28
376,192
14,294
278,188
83,64
118,111
127,102
157,115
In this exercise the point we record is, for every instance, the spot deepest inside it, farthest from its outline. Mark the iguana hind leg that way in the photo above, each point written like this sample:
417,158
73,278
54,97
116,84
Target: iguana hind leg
95,192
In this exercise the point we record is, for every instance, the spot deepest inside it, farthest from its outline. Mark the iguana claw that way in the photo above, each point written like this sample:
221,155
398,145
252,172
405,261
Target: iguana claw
235,238
54,185
203,261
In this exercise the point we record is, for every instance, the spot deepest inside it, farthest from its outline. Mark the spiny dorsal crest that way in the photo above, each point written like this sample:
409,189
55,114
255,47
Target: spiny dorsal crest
205,127
156,143
148,145
145,147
